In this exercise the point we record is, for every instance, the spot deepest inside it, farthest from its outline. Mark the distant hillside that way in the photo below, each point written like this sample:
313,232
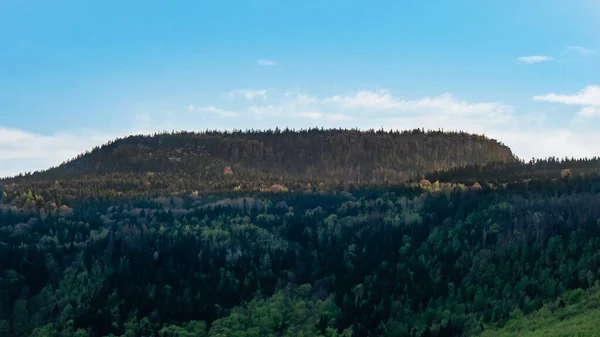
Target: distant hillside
315,153
551,168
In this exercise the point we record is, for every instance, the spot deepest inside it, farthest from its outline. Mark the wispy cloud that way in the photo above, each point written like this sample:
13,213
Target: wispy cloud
22,151
221,112
535,59
588,112
249,94
381,99
266,63
319,115
579,50
381,104
211,109
445,104
266,110
588,96
301,98
549,142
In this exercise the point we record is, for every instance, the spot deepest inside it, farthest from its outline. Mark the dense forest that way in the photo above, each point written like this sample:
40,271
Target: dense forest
307,154
295,233
575,313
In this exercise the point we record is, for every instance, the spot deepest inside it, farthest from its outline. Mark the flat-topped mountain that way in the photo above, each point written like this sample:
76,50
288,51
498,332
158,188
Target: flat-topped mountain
313,153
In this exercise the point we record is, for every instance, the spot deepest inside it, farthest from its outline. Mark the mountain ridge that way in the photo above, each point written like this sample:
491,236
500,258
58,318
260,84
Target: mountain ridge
345,154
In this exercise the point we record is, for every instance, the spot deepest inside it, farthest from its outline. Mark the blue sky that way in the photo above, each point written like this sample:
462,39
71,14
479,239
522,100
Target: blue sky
74,74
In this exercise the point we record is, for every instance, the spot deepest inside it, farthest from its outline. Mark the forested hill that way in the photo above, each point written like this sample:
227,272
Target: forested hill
315,153
181,235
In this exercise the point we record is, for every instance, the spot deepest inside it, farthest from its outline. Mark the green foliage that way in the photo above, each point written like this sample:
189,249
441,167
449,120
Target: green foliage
579,318
191,329
21,319
573,296
287,313
47,330
4,328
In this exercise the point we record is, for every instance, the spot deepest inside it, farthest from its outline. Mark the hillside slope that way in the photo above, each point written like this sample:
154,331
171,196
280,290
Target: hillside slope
339,154
384,261
576,313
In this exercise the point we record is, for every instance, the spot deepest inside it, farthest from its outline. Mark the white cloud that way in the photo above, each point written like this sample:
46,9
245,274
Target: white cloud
443,105
550,142
303,99
266,110
266,63
319,115
535,59
22,151
191,107
588,96
381,99
579,50
224,113
249,94
588,112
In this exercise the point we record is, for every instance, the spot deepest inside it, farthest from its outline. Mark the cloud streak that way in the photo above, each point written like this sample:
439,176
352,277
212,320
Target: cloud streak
535,59
589,112
444,105
248,94
324,116
266,63
579,50
588,96
221,112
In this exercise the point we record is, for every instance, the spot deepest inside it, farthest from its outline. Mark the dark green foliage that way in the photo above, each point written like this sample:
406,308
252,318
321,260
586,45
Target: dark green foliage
397,262
578,318
500,172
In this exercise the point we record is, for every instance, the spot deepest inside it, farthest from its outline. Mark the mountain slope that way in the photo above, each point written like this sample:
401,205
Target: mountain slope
375,262
579,316
339,154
